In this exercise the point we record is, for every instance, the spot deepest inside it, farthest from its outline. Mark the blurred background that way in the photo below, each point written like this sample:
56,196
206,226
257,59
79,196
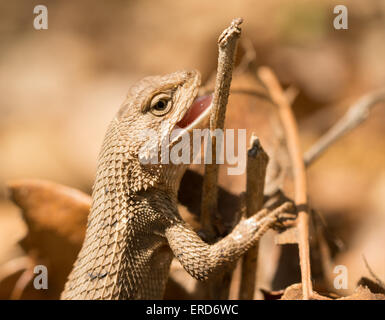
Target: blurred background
60,88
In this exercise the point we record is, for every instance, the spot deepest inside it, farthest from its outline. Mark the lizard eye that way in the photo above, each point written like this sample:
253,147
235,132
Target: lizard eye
161,105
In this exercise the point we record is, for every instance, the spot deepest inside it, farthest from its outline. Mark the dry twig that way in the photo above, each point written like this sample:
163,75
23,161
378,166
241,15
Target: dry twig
257,160
227,43
356,114
292,139
21,284
14,265
371,272
23,263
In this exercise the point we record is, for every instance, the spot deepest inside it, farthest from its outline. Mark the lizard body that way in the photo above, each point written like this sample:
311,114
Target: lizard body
134,228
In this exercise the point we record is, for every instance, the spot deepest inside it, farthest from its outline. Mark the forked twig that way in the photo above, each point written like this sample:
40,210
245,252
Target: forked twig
355,115
289,124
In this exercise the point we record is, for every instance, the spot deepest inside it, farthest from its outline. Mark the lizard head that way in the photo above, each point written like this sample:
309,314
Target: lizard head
158,112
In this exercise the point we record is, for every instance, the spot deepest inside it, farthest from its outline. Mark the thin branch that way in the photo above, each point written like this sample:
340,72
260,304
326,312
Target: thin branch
13,266
21,284
375,277
257,160
227,43
279,98
249,57
291,94
279,163
356,114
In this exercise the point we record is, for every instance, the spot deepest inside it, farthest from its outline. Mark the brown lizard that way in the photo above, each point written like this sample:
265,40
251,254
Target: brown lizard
134,228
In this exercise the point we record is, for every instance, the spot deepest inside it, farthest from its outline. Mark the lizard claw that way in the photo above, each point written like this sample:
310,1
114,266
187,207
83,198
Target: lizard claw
285,220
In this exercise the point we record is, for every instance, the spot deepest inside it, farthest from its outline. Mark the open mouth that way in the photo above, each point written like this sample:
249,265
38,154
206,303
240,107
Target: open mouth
197,112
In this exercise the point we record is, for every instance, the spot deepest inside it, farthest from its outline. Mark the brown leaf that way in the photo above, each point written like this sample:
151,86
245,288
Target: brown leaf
56,217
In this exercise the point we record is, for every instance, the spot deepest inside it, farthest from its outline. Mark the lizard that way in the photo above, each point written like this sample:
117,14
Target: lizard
134,229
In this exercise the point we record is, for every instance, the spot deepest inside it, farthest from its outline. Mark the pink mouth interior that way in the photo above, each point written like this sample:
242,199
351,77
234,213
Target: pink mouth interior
199,105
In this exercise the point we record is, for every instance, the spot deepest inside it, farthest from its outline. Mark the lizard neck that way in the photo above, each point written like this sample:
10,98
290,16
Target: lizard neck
124,239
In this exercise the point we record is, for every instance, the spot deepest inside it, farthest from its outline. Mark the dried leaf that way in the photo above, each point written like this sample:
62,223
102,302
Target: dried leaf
56,217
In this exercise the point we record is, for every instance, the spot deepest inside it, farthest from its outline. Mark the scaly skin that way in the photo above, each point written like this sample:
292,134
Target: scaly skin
134,228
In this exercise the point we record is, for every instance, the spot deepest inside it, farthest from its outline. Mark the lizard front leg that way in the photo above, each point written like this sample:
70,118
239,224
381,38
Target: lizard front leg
201,260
